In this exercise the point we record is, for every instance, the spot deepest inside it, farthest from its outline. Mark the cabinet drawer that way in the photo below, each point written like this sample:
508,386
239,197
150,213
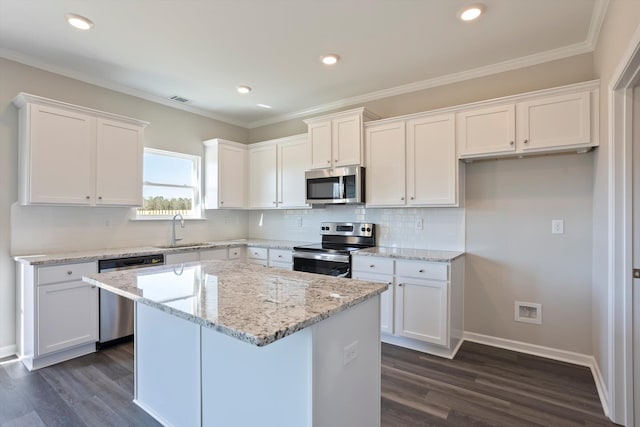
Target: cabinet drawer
280,255
257,253
65,273
262,262
281,265
371,264
423,269
212,254
235,253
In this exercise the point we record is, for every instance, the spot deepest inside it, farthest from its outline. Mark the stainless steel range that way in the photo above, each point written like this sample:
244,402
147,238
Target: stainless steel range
333,256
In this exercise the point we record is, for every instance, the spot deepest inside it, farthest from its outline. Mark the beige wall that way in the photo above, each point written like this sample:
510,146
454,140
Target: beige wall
621,23
556,73
35,229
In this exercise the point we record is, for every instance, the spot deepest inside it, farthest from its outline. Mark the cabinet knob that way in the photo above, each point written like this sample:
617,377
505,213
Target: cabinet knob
99,197
93,286
401,198
87,197
526,141
328,161
336,160
511,142
280,202
279,256
412,197
421,270
221,202
69,272
389,283
274,203
399,284
372,265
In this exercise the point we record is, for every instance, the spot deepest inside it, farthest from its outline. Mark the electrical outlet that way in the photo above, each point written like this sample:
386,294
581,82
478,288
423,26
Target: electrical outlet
557,226
419,224
299,222
350,352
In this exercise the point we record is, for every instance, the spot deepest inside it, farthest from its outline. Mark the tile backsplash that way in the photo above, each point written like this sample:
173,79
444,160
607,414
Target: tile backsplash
442,228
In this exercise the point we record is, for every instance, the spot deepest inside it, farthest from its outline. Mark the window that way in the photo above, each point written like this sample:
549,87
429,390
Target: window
171,185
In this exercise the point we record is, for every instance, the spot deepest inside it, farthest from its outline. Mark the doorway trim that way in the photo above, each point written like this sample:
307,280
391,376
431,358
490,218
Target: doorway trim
620,135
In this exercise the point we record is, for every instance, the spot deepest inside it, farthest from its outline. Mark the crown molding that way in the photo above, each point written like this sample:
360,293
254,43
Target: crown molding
66,72
597,19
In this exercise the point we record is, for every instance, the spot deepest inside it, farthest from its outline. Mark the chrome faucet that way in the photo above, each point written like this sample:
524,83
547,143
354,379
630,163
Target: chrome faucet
175,240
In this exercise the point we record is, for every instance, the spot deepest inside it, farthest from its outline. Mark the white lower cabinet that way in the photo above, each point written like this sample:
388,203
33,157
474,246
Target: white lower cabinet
213,254
58,313
423,309
67,316
258,256
281,258
182,257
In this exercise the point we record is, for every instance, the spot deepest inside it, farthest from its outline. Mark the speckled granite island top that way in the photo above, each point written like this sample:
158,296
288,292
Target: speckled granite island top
248,302
415,254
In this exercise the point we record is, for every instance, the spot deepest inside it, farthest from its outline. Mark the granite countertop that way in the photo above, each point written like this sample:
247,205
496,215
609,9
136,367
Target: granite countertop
245,301
98,254
413,254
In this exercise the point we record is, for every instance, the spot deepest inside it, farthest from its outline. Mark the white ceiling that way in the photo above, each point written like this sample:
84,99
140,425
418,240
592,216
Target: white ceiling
203,49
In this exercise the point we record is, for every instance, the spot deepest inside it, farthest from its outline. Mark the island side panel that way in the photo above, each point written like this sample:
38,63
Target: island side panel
167,352
246,385
346,367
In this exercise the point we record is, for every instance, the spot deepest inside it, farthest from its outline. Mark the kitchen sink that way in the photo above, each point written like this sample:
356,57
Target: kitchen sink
182,245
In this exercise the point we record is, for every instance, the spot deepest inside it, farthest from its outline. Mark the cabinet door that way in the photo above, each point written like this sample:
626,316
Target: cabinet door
231,178
422,310
346,136
558,121
386,299
320,140
262,177
431,161
294,158
67,316
486,130
385,164
60,165
118,163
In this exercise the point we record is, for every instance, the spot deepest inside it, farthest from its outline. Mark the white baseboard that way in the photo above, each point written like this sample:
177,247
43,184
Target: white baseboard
549,353
155,416
8,350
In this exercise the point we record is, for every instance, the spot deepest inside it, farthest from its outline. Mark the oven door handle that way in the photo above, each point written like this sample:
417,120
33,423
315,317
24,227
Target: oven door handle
322,257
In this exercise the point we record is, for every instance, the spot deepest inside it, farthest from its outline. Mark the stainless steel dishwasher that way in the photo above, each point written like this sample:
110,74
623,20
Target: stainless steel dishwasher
116,312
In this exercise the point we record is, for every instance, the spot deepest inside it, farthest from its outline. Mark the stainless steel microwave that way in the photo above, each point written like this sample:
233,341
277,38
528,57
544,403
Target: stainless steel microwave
335,186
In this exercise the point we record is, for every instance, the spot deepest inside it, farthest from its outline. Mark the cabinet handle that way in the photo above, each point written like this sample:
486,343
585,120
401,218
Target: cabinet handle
389,283
93,286
87,197
69,272
526,141
99,197
336,160
511,142
401,198
328,161
412,197
279,256
221,202
421,270
274,203
399,284
280,202
371,266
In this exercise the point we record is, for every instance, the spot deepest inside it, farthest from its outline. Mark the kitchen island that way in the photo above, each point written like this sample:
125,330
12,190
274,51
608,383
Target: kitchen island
233,344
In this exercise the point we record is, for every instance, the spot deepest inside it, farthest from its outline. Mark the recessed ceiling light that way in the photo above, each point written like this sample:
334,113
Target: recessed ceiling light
265,106
79,21
243,89
471,12
330,59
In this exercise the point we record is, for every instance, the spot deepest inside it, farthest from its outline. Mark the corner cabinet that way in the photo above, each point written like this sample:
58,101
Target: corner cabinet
58,313
337,139
413,162
554,120
423,309
71,155
225,171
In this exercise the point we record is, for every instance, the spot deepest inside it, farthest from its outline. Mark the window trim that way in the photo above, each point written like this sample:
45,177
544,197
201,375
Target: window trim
196,177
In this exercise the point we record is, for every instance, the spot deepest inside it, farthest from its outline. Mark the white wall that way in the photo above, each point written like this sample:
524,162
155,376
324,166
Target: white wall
512,255
35,229
443,228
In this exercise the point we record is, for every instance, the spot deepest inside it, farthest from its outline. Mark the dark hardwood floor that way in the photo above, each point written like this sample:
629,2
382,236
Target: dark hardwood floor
483,386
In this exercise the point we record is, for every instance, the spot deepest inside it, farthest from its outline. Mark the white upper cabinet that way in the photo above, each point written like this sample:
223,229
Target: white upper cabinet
225,174
337,139
385,176
432,165
276,173
119,163
294,158
561,119
412,162
71,155
263,176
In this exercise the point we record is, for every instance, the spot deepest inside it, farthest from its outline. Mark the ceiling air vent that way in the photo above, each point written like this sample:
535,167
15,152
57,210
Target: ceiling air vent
178,99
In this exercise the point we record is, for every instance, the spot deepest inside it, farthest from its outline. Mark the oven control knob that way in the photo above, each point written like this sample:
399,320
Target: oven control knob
368,229
362,229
